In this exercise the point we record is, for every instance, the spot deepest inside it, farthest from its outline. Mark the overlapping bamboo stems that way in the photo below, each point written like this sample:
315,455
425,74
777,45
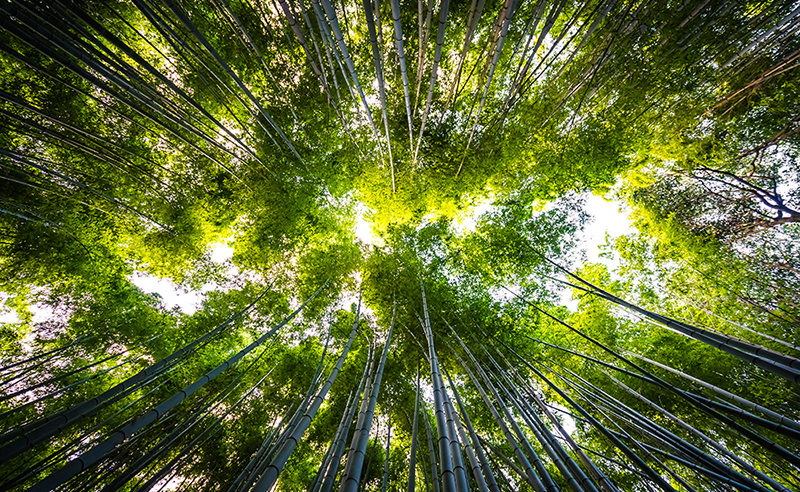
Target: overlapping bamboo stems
41,132
475,465
337,32
330,46
528,37
504,21
154,96
444,437
434,478
377,59
792,16
522,80
44,357
422,45
475,12
274,441
629,453
260,463
270,476
271,437
697,403
38,399
54,130
784,425
193,59
251,46
546,480
307,20
714,478
462,483
32,433
182,428
709,441
61,81
566,466
657,434
326,458
187,23
597,474
102,145
666,436
528,474
72,372
385,480
398,46
58,455
344,429
649,377
412,453
738,325
91,78
604,411
434,68
201,437
640,424
782,420
488,476
496,452
127,50
358,447
779,364
102,449
318,71
27,160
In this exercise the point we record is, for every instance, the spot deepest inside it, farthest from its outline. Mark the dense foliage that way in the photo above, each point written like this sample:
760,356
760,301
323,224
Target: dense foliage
456,351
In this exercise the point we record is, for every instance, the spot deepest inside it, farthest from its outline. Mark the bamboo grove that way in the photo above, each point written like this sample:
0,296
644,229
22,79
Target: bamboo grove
138,134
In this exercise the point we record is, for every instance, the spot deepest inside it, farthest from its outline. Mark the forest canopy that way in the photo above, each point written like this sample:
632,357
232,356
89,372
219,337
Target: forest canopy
471,344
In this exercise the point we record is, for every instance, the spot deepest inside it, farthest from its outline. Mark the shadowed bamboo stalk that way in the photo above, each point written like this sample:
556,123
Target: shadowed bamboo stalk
641,464
358,447
35,432
598,475
458,430
341,439
412,453
398,46
436,58
462,484
445,454
326,459
102,449
385,480
270,476
434,479
488,476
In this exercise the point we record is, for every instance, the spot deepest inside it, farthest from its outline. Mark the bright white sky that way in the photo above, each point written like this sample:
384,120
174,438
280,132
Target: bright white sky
172,295
608,219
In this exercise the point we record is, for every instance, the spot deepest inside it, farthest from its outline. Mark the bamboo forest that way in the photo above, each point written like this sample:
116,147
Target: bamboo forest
428,245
